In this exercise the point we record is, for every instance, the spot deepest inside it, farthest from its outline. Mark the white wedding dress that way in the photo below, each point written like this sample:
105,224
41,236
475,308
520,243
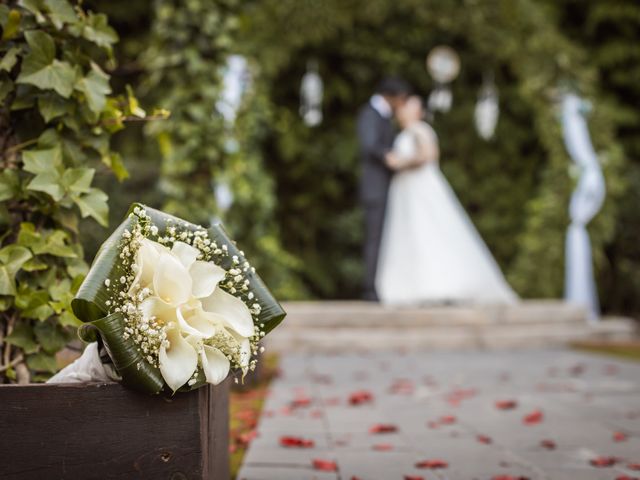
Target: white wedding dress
431,252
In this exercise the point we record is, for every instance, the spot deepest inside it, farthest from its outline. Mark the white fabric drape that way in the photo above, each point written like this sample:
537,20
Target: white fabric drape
586,201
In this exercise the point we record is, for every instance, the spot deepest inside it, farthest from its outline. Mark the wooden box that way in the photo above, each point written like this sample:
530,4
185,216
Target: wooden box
105,431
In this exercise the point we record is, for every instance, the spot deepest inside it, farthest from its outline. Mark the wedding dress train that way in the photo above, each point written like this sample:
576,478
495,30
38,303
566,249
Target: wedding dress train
431,251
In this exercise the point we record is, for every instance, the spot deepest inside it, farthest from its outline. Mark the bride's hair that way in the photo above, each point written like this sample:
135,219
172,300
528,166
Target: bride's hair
393,87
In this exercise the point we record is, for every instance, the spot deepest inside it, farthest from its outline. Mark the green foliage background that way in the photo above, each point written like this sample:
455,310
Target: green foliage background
57,116
516,187
295,208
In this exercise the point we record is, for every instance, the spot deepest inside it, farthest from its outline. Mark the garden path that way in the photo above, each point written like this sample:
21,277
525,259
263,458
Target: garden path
543,414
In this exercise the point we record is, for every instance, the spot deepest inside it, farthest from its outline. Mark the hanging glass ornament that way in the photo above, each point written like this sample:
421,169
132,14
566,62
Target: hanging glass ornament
487,108
235,82
311,93
443,64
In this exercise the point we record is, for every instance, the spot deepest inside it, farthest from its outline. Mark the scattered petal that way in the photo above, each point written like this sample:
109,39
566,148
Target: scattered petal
360,397
383,428
533,418
382,447
434,464
413,477
296,442
506,404
484,439
325,465
448,420
634,466
548,444
619,437
509,477
603,461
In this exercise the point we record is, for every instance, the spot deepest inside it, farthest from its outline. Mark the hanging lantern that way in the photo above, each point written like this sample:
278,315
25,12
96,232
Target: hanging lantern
235,81
311,93
487,109
443,64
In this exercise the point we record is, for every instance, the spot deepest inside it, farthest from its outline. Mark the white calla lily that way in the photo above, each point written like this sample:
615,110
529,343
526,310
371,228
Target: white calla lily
178,361
194,312
214,364
235,313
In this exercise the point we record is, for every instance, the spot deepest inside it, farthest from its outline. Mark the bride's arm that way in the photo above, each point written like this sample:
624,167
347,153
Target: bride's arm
425,150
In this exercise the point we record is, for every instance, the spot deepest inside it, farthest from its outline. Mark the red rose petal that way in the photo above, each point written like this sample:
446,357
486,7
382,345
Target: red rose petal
448,420
383,428
603,461
382,447
432,464
484,439
325,465
509,477
548,444
533,418
413,477
634,466
433,425
297,442
626,477
360,397
301,401
506,404
619,436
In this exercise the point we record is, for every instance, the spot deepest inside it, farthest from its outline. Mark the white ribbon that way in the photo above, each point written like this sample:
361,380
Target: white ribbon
586,201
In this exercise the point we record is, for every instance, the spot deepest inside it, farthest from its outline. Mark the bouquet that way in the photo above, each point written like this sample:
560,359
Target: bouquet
172,305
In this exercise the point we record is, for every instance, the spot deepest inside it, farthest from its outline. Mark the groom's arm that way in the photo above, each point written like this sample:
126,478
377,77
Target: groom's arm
369,136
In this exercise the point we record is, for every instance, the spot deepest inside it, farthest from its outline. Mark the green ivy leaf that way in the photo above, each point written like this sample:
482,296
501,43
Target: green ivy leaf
35,265
60,12
68,319
42,362
52,106
55,244
94,204
50,336
115,163
98,31
45,164
34,6
33,303
12,257
95,87
9,59
78,180
9,184
42,69
22,337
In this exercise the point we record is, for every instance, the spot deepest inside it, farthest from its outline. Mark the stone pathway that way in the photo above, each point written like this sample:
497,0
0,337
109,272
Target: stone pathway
555,415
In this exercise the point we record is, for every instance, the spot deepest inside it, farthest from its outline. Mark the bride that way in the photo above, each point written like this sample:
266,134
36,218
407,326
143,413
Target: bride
430,251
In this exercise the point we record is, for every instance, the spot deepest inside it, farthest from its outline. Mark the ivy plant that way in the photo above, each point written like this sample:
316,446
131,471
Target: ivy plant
57,114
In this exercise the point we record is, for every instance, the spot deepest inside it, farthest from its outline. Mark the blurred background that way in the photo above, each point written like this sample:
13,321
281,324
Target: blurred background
285,185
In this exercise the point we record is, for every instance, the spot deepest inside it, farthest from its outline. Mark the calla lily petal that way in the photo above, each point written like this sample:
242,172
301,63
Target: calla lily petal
156,307
195,321
236,314
178,361
146,260
205,276
171,280
185,253
215,364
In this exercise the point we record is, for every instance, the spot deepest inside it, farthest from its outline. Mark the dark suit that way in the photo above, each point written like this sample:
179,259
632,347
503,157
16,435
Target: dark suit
375,135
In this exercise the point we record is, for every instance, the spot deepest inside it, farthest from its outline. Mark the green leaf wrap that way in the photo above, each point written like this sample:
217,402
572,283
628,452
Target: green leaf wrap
90,306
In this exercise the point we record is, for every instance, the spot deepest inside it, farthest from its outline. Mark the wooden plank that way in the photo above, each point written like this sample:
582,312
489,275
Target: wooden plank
98,431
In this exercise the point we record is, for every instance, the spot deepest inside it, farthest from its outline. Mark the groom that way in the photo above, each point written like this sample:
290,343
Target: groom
375,135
